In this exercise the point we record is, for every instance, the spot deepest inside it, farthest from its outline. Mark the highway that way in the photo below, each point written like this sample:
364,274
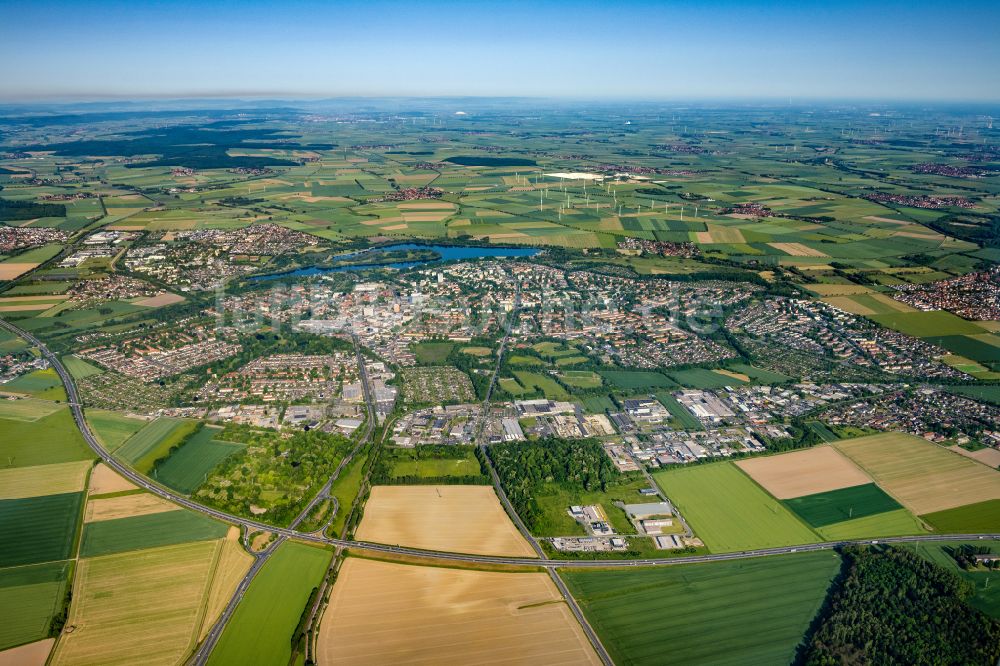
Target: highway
290,533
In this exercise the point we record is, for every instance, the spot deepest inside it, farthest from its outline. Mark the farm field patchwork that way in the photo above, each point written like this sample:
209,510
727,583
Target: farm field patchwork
899,522
719,613
443,615
37,480
232,565
979,517
154,441
111,428
29,654
125,506
924,477
29,597
189,466
729,511
38,529
461,519
148,531
260,631
27,409
815,470
835,506
144,606
50,439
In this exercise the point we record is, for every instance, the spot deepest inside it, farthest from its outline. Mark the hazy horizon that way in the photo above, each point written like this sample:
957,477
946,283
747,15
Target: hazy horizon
911,52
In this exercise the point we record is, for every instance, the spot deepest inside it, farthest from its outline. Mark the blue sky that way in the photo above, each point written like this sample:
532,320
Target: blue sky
649,50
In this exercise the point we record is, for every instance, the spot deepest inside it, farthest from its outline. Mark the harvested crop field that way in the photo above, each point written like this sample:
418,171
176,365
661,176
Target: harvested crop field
139,504
441,615
922,476
461,519
67,477
142,607
816,470
233,564
160,300
104,480
32,654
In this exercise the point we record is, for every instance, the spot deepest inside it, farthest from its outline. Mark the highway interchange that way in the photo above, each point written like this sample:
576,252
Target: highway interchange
201,656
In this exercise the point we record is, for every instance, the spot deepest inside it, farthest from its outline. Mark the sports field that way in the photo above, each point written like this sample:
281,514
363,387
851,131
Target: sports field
924,477
719,613
461,519
67,477
816,470
729,511
141,607
260,631
441,615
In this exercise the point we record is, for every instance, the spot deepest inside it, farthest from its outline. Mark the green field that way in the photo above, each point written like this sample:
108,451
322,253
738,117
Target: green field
700,378
149,531
79,368
987,593
29,597
554,499
584,379
111,428
636,380
154,441
38,529
719,613
436,467
926,324
432,353
42,384
189,466
977,518
597,404
548,386
843,504
27,409
729,511
345,489
684,418
260,631
50,439
758,375
891,523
